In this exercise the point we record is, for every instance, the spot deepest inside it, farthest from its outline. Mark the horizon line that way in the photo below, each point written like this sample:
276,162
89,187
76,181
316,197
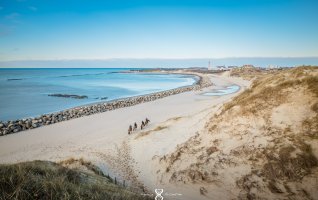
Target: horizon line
107,59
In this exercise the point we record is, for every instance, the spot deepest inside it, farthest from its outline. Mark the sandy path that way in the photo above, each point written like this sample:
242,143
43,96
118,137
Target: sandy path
100,138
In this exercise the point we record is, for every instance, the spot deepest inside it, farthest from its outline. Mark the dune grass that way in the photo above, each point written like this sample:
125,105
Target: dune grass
48,180
285,166
270,90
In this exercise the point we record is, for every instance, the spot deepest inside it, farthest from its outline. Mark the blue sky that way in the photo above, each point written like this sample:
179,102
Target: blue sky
96,29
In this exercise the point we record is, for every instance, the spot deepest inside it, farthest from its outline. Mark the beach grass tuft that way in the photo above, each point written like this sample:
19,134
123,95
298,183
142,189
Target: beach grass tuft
49,180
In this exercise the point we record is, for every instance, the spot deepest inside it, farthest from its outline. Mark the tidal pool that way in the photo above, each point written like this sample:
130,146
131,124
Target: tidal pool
220,92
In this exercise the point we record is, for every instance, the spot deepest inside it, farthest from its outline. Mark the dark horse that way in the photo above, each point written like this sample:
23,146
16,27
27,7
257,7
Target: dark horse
142,125
147,121
135,126
129,129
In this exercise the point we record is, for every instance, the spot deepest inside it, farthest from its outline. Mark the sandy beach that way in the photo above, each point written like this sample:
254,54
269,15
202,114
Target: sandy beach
232,146
103,139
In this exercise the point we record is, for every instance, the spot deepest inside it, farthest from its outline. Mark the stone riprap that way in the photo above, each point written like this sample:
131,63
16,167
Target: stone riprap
69,96
31,123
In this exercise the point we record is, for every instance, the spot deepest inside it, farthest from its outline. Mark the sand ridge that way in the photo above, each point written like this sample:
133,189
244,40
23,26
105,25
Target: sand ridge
260,145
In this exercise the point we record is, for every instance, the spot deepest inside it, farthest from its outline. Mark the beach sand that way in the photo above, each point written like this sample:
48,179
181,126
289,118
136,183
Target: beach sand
103,139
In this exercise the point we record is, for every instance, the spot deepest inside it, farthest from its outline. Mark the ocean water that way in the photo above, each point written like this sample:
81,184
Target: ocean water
24,92
220,92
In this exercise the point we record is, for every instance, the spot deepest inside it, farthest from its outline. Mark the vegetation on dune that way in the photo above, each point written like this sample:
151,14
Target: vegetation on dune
270,90
285,166
250,73
270,130
48,180
289,158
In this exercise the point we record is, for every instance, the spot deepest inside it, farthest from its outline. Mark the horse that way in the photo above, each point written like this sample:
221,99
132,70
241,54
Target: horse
135,126
147,121
142,125
129,129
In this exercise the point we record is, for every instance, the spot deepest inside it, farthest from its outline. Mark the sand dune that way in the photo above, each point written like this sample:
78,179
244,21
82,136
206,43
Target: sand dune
260,145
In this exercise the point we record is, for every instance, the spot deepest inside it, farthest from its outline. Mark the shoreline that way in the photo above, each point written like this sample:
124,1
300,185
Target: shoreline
14,126
125,98
102,138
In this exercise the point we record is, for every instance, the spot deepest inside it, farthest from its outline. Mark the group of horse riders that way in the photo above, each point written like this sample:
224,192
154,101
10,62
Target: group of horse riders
143,124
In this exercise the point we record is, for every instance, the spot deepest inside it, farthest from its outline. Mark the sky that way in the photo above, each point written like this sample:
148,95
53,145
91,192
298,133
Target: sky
170,29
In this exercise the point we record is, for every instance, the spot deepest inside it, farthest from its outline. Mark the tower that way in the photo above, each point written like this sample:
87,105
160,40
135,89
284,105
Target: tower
209,66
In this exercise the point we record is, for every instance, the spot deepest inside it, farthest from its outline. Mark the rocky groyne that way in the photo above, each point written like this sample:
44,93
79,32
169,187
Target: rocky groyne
69,96
47,119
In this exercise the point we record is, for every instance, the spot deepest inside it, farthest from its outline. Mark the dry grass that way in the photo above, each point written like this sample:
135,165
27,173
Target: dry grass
82,162
286,167
310,127
248,73
312,84
48,180
281,166
272,90
267,96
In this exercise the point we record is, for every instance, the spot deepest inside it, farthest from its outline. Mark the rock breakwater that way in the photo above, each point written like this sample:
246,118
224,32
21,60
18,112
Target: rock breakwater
9,127
69,96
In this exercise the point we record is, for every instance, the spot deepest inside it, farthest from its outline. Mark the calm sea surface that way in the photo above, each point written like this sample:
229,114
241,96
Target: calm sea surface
24,92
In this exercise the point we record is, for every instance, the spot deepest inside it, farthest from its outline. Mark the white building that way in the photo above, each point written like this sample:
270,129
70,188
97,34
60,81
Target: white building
210,65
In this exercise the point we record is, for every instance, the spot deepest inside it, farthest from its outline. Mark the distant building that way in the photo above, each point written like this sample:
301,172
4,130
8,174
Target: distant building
272,67
231,67
209,66
248,66
221,67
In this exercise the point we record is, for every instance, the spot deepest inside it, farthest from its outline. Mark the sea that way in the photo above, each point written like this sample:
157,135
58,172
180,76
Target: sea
25,93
